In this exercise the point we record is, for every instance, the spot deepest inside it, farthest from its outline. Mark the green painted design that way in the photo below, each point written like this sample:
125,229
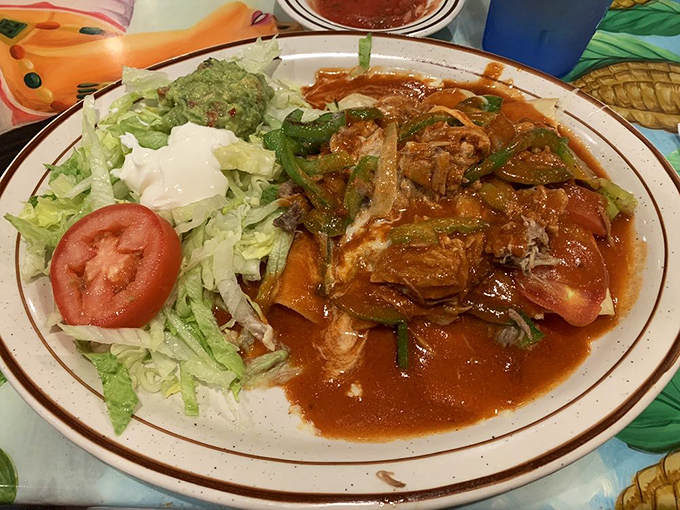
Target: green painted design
32,80
653,18
91,90
11,28
674,159
3,379
657,429
606,49
87,85
91,31
8,480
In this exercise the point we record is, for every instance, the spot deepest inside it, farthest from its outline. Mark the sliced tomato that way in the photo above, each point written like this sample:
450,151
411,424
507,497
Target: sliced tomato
574,288
115,267
586,208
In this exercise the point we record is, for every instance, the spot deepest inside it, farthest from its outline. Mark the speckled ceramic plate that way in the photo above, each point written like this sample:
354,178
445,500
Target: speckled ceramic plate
267,459
438,14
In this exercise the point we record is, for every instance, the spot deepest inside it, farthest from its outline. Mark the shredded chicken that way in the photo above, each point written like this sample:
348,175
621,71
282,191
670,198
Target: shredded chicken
342,346
359,139
440,155
524,241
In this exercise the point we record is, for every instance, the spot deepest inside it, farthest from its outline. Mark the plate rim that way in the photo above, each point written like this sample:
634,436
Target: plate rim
437,20
570,449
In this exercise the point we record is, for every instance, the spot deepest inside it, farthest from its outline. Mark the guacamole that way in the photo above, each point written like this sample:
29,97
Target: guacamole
218,94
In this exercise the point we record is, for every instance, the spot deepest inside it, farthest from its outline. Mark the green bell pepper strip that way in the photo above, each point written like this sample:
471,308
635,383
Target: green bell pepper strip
358,185
317,194
273,140
402,345
326,221
481,109
369,312
426,231
320,130
536,334
478,117
382,315
525,172
539,137
495,197
315,131
486,103
326,164
417,124
367,113
618,199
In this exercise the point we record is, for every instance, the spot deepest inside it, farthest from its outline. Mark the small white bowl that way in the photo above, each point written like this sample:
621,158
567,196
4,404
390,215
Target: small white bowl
439,13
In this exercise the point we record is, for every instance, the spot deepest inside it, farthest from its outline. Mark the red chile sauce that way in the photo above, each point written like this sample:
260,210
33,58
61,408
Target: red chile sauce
464,375
375,14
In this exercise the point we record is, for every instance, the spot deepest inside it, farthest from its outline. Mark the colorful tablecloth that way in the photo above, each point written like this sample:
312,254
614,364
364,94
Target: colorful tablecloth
54,53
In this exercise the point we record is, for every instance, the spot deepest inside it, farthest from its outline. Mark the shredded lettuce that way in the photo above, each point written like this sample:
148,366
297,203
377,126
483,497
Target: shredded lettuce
144,81
257,56
187,386
365,46
101,189
249,158
269,369
225,240
234,298
119,395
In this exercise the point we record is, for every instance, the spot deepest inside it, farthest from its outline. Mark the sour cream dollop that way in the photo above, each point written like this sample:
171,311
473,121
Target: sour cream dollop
181,173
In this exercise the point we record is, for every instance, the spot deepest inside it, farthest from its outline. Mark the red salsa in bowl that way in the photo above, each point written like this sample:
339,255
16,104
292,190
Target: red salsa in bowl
374,14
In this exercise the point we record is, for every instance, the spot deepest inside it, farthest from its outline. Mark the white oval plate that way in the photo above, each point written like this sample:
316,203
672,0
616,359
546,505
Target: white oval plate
267,459
441,13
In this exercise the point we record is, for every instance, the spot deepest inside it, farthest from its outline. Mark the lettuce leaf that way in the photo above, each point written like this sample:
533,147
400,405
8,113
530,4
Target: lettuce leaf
119,395
249,158
257,56
187,386
225,239
101,189
144,81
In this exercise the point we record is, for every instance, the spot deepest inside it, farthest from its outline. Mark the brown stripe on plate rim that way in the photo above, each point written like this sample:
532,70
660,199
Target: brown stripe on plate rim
495,478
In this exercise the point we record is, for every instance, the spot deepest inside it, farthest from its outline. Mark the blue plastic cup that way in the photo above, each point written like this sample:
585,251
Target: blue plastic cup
549,35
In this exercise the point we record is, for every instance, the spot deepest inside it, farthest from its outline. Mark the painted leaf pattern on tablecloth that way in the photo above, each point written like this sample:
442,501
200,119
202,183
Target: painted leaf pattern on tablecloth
8,480
657,429
605,49
674,159
661,17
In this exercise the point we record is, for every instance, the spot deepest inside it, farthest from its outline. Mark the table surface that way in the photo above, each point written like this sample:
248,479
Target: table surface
53,471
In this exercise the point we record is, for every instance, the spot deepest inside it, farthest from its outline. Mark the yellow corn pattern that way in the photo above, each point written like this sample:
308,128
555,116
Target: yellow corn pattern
644,92
626,4
654,488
